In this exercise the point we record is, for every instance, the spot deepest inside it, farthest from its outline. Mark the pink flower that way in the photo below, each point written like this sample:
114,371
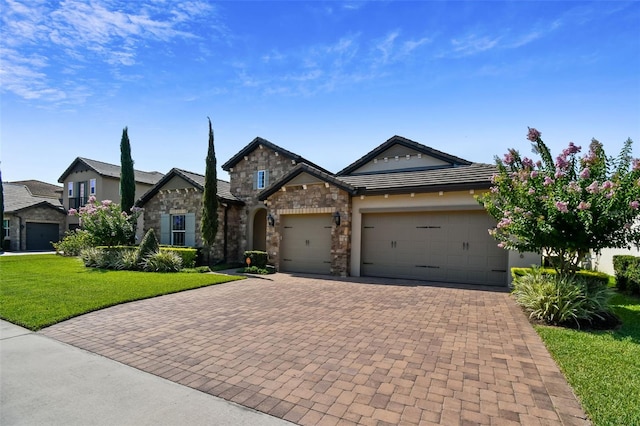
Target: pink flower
585,173
593,188
501,245
106,203
527,163
559,173
534,174
92,199
573,186
634,205
73,212
607,185
504,222
531,191
584,205
533,134
562,206
635,164
609,195
573,149
547,181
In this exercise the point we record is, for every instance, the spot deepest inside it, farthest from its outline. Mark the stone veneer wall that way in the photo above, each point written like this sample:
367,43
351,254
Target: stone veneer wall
189,200
241,178
316,198
38,214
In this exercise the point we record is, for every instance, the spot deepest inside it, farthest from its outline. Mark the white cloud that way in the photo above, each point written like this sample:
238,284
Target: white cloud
472,44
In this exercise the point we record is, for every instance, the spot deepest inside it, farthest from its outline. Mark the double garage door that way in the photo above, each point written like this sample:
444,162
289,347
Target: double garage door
434,246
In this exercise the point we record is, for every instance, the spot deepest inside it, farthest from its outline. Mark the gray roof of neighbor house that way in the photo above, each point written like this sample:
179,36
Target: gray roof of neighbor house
260,141
306,168
111,170
18,197
473,176
42,189
399,140
197,180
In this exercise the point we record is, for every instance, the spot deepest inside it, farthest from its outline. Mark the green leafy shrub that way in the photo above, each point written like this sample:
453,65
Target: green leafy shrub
627,271
188,255
163,261
73,243
148,245
256,270
256,258
595,276
562,299
197,270
91,257
128,260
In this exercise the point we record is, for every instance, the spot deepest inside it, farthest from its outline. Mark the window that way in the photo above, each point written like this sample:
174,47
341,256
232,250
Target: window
92,187
178,228
70,186
260,179
5,228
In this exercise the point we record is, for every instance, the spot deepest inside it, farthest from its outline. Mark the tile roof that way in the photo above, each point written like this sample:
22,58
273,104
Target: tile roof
18,197
197,180
42,189
476,175
111,170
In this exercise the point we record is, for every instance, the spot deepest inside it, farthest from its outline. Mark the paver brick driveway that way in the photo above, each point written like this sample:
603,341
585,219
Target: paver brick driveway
350,351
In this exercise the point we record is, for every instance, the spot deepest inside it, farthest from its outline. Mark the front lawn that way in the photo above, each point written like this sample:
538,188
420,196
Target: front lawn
603,367
41,290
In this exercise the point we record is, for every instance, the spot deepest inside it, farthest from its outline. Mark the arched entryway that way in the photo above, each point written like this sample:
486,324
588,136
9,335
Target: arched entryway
259,234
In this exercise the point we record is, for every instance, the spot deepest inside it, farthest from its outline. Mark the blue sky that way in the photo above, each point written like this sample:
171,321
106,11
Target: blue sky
327,80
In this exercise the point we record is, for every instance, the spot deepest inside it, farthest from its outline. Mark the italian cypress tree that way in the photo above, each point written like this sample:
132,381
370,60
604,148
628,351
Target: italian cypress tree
2,211
209,224
127,178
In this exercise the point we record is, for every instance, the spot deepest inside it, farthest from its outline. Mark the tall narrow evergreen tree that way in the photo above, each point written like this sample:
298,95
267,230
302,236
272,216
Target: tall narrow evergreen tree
209,224
127,178
2,211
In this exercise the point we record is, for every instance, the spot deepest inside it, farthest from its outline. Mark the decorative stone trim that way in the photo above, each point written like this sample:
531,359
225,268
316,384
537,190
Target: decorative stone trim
310,210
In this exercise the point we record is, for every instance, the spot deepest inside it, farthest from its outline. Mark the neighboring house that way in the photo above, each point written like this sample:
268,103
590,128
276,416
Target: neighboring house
33,215
85,178
173,208
403,210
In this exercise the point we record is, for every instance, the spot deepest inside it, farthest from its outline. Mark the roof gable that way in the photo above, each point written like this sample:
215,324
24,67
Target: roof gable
401,154
304,173
196,180
255,144
108,170
41,189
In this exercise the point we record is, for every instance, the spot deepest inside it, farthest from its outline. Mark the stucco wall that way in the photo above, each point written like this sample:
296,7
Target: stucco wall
316,198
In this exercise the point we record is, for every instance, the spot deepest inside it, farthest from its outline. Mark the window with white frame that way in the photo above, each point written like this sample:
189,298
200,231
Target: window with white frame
5,227
70,189
178,229
92,187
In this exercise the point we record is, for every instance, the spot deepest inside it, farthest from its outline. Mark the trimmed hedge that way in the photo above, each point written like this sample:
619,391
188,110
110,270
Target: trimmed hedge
188,255
627,271
256,258
593,276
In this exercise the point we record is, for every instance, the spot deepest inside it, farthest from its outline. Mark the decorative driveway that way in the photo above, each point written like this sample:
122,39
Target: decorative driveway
314,350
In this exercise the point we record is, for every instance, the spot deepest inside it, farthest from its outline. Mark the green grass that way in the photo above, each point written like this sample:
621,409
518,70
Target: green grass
40,290
603,367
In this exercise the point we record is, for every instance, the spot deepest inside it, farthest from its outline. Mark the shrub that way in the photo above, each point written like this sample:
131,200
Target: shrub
562,299
593,276
197,270
91,257
256,258
627,271
163,261
73,243
128,260
256,270
106,223
148,245
188,255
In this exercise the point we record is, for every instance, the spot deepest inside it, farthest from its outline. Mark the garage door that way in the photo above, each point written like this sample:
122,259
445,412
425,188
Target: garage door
40,235
306,243
434,246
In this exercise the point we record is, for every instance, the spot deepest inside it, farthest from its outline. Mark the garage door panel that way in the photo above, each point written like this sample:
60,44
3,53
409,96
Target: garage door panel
306,243
39,236
442,246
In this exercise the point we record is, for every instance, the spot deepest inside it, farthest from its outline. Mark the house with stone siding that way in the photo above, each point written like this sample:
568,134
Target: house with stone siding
403,210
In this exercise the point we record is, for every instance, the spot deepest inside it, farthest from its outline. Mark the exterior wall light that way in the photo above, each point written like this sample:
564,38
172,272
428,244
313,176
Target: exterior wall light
271,220
336,218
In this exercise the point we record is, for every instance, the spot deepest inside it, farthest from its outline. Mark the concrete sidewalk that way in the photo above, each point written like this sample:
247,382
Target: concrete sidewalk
43,381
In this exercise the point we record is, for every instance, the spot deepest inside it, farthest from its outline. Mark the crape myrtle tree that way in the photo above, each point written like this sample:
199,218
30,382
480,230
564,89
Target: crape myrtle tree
127,178
209,222
565,207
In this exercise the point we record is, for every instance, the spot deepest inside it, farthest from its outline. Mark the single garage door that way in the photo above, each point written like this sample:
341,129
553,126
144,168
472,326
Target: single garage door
306,243
40,235
433,246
